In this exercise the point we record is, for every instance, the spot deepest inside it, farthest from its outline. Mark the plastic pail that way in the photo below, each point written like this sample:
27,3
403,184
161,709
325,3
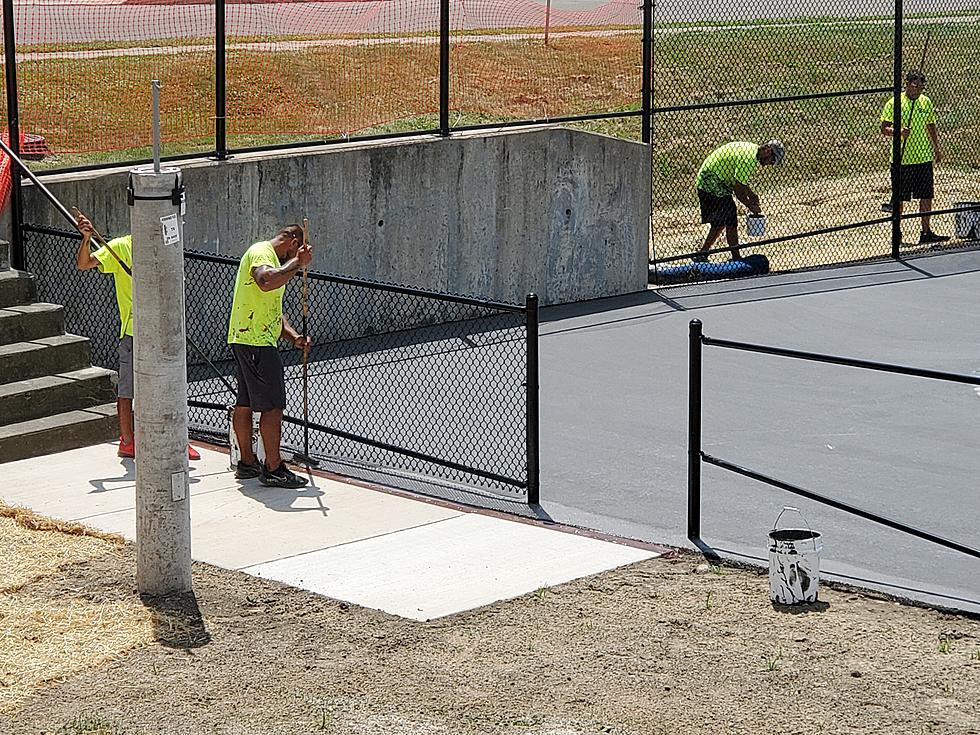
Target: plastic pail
794,563
967,220
755,225
235,453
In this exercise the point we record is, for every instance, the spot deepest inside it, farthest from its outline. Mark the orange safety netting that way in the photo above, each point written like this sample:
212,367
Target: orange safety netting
315,69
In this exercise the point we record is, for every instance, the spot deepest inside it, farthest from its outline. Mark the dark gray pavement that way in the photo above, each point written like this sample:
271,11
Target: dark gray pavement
614,417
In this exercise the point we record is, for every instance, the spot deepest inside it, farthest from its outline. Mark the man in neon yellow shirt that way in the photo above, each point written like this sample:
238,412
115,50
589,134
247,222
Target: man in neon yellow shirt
256,325
116,258
724,173
919,147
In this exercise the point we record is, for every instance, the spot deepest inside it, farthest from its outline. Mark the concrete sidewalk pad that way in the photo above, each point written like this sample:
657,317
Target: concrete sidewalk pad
449,566
408,557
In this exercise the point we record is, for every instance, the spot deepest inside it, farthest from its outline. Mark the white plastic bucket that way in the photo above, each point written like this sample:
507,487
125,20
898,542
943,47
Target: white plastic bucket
794,563
755,225
235,455
968,220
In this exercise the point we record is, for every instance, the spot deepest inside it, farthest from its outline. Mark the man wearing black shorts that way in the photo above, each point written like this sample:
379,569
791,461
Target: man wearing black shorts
726,172
920,149
257,324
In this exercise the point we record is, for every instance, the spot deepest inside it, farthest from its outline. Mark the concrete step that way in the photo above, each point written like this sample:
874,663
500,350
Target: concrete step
30,321
16,287
51,394
45,356
58,433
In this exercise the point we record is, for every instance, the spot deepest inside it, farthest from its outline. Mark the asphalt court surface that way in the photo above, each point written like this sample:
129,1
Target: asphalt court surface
614,417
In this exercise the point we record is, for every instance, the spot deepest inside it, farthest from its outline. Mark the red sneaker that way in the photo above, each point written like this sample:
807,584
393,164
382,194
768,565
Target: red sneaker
192,453
127,449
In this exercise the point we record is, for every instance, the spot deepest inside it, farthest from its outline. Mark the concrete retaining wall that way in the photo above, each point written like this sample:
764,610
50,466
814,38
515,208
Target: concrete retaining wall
555,211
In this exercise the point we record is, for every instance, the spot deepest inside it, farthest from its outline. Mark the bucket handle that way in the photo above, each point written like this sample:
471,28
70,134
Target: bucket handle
806,523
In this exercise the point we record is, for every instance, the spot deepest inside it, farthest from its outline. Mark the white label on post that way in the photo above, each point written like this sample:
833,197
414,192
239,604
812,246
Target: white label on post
171,235
178,486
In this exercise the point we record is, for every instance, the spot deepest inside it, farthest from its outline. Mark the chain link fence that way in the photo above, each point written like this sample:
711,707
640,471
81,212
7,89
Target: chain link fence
817,79
431,385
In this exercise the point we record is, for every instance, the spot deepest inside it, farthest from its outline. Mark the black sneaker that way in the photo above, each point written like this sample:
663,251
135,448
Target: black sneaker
698,258
886,207
281,477
246,471
930,237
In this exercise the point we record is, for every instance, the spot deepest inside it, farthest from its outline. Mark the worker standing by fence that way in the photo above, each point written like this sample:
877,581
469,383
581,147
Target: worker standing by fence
256,325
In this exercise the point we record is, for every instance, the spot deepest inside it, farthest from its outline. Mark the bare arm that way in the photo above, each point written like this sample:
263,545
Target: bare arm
269,279
83,258
290,334
888,130
747,197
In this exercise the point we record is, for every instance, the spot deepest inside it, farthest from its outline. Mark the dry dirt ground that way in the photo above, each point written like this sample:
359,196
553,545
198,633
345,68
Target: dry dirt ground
669,645
794,208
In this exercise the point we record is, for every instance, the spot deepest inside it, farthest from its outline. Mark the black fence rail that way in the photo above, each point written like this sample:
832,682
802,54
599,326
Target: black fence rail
434,385
696,456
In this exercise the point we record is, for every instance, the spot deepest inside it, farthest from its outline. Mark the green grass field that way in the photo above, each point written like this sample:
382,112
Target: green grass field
96,110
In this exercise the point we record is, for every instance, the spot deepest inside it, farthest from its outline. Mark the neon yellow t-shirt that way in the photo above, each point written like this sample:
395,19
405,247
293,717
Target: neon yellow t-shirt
256,315
123,248
918,146
731,163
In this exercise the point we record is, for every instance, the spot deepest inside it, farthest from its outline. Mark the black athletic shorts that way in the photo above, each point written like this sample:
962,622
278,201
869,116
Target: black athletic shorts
717,211
916,181
260,380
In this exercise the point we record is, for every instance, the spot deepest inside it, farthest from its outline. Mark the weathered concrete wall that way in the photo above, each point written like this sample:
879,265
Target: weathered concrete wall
556,211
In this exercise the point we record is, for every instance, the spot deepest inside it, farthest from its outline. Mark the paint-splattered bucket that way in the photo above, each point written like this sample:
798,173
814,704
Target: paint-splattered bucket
235,453
794,563
755,225
967,221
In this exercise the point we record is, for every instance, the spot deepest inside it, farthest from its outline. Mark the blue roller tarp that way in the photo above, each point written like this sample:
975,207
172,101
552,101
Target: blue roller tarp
752,265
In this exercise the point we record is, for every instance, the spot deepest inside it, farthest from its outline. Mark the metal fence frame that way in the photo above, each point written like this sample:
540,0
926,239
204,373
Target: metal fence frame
696,456
203,364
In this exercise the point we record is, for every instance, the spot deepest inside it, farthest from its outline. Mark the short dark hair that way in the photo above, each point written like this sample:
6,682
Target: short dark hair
292,231
915,75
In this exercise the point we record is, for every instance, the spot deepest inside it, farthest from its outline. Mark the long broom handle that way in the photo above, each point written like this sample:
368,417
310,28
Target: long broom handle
57,204
305,311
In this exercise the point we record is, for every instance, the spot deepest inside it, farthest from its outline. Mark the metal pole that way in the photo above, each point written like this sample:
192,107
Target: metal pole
444,67
897,148
694,432
220,81
155,85
532,425
13,129
647,64
163,528
547,21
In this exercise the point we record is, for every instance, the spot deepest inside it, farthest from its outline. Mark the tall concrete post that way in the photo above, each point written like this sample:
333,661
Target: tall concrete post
163,525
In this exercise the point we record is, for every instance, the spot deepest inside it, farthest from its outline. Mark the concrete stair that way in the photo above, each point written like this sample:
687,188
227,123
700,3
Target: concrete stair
51,398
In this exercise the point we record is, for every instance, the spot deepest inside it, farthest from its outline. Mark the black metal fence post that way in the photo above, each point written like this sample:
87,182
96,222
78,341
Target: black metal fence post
532,446
694,432
13,129
897,147
444,67
647,64
220,82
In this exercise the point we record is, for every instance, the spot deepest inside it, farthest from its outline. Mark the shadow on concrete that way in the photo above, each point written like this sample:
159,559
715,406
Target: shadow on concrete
177,621
101,484
281,499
